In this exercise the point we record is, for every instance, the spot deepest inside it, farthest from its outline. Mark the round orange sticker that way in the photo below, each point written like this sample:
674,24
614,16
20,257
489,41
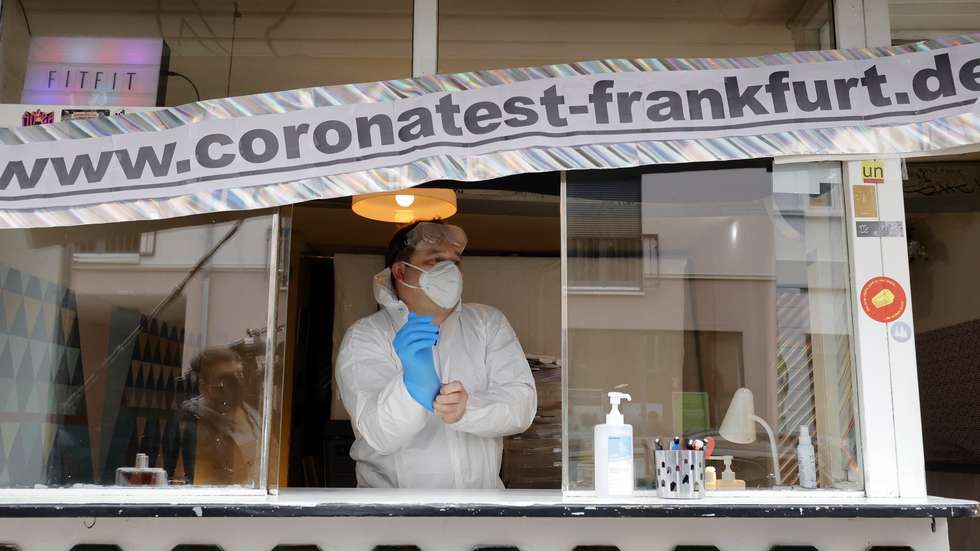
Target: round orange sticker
883,299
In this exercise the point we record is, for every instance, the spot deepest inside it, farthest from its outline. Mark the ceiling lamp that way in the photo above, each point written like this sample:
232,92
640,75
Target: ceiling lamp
406,206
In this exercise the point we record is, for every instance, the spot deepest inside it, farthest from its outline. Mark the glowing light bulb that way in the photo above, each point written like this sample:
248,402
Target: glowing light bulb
404,201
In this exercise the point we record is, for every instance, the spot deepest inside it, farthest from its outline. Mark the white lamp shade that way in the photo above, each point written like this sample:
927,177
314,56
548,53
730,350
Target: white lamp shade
739,423
428,204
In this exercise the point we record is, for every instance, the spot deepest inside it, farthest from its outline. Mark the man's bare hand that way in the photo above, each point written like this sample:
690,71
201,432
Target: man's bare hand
450,404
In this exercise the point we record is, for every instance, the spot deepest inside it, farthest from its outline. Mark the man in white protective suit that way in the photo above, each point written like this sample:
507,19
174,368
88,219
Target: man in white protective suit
431,384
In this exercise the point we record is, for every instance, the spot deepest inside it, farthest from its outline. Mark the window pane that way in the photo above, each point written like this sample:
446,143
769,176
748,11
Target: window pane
134,338
512,33
271,46
686,284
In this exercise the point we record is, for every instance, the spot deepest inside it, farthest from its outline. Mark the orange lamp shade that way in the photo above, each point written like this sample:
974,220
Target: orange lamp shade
406,206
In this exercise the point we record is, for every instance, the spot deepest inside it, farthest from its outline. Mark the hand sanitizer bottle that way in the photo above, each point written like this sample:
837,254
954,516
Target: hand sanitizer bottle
806,459
613,446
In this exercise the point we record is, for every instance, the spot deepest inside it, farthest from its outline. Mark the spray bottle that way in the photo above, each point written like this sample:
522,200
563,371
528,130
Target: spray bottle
806,459
614,452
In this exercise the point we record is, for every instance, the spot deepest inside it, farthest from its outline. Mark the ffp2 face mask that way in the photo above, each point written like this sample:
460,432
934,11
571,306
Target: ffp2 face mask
443,284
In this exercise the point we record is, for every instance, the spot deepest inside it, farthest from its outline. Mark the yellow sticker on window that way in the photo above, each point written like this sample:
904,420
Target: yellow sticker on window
873,172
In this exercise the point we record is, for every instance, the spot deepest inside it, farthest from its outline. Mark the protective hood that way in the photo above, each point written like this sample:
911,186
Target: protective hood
385,294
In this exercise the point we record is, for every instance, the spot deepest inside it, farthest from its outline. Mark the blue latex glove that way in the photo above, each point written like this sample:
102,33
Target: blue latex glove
413,344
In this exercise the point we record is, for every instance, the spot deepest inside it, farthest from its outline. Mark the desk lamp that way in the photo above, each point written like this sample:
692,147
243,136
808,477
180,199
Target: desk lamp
739,426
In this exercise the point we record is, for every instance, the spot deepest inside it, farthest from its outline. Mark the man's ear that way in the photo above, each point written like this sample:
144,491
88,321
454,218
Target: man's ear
398,271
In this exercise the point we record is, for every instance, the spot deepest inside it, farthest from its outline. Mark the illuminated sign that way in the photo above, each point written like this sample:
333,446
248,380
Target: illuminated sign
95,71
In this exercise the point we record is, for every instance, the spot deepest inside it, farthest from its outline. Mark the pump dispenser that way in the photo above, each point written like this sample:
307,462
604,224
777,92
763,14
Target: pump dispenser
615,417
613,444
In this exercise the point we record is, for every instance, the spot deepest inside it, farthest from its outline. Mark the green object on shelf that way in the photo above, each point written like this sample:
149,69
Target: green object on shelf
690,411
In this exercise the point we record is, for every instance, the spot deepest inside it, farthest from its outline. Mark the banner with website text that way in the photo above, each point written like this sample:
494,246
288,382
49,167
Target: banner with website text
930,95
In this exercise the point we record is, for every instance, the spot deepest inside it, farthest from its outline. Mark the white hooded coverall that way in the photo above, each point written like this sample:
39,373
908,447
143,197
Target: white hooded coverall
399,444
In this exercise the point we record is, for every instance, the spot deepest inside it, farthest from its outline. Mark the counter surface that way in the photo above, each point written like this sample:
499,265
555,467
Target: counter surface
504,503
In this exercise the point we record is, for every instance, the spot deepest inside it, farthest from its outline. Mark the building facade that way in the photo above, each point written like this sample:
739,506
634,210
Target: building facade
826,271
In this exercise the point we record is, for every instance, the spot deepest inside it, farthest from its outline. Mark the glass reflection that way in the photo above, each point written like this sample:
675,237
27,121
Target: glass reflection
136,338
712,278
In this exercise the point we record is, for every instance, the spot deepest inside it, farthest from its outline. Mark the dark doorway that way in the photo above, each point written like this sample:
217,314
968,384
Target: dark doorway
319,447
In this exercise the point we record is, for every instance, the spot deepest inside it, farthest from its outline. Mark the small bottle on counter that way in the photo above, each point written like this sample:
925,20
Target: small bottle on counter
142,474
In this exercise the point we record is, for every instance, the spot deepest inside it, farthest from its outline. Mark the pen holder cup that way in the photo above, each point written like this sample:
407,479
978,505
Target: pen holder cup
680,474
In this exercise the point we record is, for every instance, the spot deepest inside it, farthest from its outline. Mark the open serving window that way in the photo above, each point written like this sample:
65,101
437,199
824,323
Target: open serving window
512,261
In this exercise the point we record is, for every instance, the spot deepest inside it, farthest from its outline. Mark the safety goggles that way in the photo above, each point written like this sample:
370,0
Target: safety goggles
427,235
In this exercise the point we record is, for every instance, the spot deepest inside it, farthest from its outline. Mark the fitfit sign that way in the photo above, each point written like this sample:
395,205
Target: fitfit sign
616,108
89,71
